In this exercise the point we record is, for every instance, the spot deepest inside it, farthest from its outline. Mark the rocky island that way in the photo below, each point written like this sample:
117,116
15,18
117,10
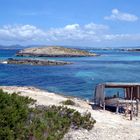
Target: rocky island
34,62
54,51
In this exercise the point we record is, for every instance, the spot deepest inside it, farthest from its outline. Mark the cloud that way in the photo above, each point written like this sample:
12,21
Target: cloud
93,26
72,27
118,15
90,33
21,33
78,32
128,37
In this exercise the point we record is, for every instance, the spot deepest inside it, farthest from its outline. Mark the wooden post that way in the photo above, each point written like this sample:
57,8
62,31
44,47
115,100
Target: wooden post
125,92
126,110
104,105
131,93
117,107
100,103
138,91
137,107
131,114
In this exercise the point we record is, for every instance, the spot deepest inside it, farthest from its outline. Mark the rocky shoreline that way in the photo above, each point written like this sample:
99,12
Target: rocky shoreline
35,62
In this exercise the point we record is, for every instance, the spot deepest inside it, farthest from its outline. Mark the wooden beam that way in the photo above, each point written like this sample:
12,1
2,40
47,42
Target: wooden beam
126,101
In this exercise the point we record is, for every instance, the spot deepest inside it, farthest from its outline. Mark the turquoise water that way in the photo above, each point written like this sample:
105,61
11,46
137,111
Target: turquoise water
78,79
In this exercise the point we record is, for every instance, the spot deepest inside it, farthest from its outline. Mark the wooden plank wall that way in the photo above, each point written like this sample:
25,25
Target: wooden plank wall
134,92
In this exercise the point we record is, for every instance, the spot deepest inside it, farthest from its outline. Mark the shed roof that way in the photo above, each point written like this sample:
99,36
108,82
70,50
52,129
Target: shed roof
120,85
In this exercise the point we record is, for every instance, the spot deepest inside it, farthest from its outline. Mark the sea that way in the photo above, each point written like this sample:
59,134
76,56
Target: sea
78,79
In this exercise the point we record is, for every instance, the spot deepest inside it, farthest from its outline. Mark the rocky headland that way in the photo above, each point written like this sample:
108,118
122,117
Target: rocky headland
54,51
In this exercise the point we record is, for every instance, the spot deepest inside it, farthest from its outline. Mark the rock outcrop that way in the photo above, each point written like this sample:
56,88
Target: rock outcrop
54,52
36,62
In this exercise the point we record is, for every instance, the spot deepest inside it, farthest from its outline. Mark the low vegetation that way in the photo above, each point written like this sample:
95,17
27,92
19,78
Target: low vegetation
18,121
68,102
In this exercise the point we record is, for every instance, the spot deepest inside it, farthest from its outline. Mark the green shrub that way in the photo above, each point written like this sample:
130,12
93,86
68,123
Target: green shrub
68,102
20,122
13,114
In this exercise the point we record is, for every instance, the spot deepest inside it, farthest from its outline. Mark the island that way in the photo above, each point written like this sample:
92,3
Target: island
34,62
134,49
54,51
130,49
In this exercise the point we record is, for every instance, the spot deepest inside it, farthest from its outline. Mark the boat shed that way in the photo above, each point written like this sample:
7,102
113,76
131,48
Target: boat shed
131,91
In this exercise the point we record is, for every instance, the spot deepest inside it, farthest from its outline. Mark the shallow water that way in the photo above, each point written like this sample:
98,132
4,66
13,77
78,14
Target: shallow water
78,79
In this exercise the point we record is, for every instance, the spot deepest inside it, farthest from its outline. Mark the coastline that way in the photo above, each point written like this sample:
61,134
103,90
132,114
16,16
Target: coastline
108,125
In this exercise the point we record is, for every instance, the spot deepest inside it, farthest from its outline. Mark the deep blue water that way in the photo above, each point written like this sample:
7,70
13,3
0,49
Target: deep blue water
78,79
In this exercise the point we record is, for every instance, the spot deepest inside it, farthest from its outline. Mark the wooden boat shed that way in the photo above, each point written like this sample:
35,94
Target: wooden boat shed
131,91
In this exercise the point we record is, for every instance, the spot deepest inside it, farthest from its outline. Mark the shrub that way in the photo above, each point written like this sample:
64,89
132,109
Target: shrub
13,114
68,102
19,121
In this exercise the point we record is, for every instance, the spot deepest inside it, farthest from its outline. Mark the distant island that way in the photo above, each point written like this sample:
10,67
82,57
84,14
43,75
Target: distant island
134,49
128,49
54,51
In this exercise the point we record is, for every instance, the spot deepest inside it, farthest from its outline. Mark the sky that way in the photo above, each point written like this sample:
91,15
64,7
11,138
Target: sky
91,23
